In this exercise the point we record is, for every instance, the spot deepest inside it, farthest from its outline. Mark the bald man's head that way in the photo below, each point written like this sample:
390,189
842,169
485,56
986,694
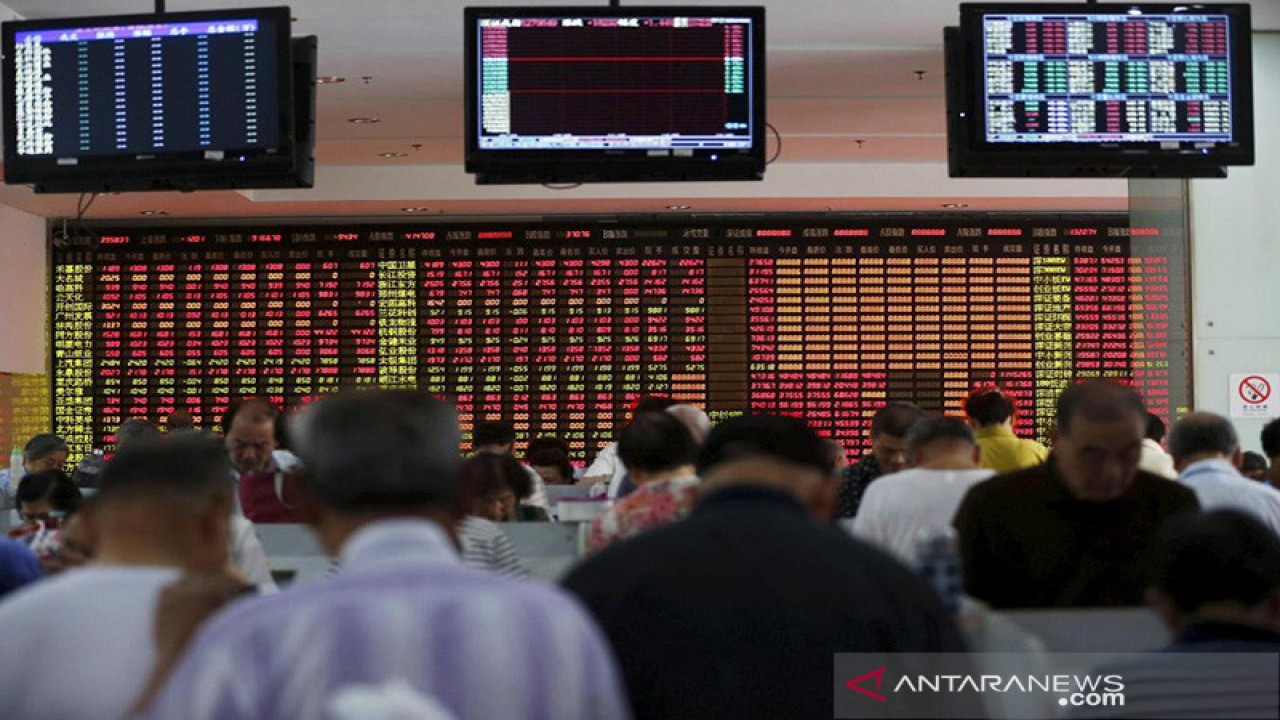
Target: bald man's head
694,419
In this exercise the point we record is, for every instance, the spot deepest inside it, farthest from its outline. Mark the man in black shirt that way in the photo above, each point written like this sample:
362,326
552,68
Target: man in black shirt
738,610
1075,531
888,455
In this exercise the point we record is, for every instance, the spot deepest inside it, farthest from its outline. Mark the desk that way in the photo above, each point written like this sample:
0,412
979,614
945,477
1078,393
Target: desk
547,549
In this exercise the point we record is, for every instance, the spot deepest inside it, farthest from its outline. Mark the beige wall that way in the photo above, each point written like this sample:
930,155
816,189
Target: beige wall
24,292
1235,257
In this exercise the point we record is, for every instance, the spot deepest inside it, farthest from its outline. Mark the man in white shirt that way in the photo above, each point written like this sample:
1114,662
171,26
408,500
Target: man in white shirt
896,508
1154,459
608,469
163,508
1207,453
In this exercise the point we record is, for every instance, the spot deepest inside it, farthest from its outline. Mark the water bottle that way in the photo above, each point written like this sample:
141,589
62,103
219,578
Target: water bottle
939,562
16,469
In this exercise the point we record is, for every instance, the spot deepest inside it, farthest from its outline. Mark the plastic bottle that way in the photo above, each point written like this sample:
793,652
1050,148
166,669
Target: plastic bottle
16,468
939,562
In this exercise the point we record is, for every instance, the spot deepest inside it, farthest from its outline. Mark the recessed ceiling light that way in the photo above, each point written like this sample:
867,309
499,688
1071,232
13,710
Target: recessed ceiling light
330,79
364,120
154,212
414,209
393,154
679,207
955,205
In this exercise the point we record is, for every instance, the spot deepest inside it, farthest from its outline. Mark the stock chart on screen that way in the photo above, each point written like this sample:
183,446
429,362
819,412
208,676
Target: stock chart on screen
1076,77
559,327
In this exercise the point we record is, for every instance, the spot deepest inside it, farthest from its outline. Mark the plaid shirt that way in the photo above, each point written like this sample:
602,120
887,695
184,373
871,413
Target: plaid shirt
855,480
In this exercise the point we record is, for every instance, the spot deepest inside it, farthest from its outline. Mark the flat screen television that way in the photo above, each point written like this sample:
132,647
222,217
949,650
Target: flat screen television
173,101
614,94
1116,90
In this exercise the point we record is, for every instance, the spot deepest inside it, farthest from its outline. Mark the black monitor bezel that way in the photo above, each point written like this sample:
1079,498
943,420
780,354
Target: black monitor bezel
1124,158
599,165
179,170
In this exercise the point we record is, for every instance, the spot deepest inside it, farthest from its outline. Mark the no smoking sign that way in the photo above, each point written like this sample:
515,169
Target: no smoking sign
1253,395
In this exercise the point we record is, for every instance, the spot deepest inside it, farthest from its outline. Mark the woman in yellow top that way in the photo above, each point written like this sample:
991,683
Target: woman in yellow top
991,414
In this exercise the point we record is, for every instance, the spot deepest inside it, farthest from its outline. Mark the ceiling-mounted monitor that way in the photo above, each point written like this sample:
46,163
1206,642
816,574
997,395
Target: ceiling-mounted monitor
614,94
173,101
1114,90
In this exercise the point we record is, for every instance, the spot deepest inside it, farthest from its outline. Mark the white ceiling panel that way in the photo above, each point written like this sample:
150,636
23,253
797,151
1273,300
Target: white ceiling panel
839,71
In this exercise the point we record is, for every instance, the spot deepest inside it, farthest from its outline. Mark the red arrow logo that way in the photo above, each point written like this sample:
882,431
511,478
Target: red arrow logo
878,675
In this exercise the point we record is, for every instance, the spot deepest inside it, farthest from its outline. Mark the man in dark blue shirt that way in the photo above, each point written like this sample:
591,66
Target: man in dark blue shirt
738,610
1215,580
888,454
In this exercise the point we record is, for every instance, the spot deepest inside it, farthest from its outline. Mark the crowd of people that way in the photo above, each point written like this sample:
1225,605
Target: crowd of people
731,563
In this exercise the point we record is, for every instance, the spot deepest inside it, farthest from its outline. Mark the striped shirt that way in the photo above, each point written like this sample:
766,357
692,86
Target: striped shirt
486,547
404,607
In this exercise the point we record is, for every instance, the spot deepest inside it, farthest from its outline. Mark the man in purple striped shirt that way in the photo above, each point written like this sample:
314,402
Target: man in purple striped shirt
381,488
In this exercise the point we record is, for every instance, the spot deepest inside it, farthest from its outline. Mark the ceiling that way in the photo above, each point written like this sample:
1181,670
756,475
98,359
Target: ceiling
855,90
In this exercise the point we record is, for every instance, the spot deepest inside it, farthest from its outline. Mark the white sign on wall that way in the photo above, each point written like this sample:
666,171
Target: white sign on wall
1253,395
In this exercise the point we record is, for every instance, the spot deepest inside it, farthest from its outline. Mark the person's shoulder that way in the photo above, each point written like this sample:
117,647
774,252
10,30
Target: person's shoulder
895,485
965,479
898,478
1163,489
74,589
33,601
866,465
1034,445
1011,484
1152,483
633,557
1265,490
976,475
487,591
477,525
14,551
630,551
241,527
914,478
1265,494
